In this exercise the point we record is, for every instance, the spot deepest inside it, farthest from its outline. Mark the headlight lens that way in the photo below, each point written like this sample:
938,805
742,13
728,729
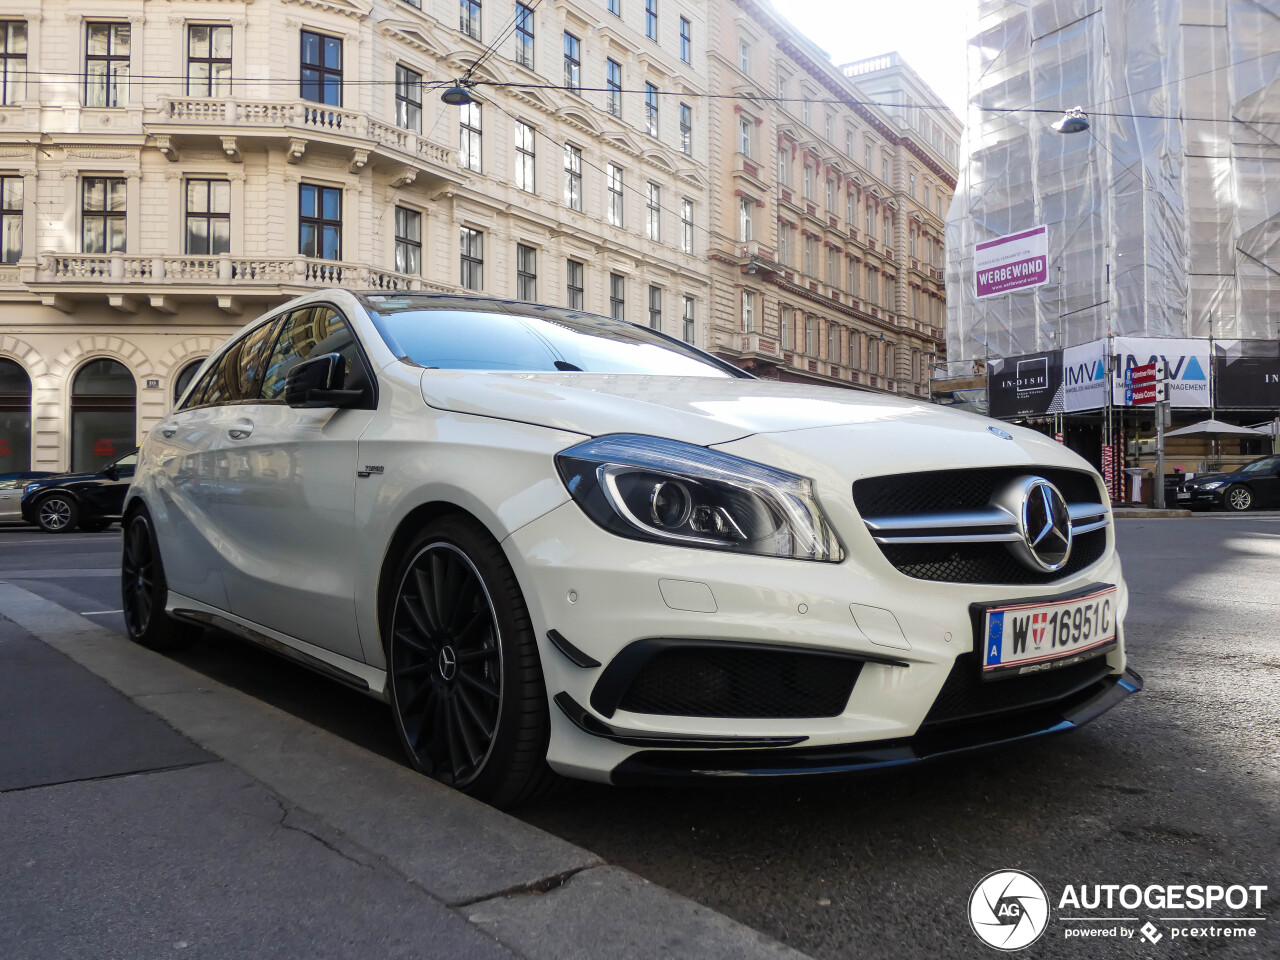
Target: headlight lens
648,488
1212,486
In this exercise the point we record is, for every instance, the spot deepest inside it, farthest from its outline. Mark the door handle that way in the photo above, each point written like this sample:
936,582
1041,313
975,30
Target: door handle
240,430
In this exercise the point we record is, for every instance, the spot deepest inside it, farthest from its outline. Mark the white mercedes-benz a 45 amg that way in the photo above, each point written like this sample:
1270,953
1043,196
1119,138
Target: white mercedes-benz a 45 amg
558,543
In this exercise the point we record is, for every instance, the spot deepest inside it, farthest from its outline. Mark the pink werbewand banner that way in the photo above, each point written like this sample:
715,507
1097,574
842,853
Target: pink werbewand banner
1014,262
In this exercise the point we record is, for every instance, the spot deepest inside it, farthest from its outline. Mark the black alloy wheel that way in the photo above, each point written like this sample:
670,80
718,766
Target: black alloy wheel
143,590
465,681
57,513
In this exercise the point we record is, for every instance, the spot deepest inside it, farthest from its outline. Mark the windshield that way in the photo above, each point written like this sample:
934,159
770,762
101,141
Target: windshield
454,333
1262,466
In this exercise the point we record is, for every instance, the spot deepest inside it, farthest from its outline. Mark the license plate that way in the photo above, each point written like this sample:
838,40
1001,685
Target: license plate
1046,634
1184,495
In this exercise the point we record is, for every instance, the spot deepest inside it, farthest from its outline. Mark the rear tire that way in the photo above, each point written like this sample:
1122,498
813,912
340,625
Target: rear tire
463,670
143,590
1238,498
57,513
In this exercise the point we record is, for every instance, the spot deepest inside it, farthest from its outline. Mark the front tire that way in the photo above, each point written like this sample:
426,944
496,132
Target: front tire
57,513
463,671
143,590
1238,498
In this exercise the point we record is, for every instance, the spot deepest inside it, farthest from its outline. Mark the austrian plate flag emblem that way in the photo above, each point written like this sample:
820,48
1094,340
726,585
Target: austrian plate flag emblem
1038,622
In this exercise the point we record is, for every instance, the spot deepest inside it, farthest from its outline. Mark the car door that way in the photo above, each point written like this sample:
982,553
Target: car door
1266,483
184,450
103,497
286,493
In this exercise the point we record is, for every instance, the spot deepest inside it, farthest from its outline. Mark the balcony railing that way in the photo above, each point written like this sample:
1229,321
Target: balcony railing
224,270
301,115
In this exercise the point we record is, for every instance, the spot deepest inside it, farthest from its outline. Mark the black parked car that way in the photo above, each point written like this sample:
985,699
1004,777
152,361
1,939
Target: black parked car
89,501
1256,484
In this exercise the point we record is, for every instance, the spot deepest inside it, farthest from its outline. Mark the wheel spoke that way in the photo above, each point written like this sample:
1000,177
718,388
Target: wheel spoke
424,650
425,598
476,656
451,738
474,714
414,670
439,593
417,613
420,697
474,751
489,690
478,619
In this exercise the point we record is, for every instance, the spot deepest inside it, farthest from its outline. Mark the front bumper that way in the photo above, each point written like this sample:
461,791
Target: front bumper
1196,499
592,595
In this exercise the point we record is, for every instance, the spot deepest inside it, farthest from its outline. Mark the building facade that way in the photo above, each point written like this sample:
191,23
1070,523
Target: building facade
826,210
170,168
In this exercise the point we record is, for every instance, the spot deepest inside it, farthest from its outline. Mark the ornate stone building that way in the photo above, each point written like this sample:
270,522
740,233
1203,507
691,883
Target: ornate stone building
170,168
826,209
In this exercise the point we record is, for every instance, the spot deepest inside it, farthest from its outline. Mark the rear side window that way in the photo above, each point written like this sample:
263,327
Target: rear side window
236,373
306,333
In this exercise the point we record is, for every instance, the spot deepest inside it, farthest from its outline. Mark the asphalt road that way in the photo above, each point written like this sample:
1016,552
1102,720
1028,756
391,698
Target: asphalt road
1179,785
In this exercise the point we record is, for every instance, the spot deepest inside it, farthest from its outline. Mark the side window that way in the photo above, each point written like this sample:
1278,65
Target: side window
236,373
310,332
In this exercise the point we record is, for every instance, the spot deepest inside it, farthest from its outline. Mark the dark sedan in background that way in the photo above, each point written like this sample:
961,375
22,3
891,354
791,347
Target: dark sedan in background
87,501
1255,485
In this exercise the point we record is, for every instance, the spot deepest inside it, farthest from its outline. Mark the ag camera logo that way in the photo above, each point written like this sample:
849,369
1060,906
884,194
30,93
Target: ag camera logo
1008,910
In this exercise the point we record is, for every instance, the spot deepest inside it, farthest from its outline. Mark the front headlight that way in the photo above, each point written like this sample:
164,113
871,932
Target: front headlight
1212,486
648,488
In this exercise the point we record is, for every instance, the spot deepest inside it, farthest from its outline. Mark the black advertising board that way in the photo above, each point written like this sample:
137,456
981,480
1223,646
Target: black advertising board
1246,374
1024,386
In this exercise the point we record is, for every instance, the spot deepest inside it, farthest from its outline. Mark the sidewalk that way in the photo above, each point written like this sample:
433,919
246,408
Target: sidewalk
154,812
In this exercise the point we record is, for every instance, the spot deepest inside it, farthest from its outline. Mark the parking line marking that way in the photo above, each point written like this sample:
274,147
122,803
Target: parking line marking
98,613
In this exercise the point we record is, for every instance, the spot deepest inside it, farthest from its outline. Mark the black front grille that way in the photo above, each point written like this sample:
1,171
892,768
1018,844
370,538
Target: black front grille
967,697
951,491
943,491
713,682
987,562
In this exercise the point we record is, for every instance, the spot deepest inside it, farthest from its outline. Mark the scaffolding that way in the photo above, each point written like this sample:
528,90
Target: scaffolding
1164,216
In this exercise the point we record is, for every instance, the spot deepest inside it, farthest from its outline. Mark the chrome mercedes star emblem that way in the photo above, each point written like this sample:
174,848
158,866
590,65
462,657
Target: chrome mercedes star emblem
1003,435
1045,525
448,663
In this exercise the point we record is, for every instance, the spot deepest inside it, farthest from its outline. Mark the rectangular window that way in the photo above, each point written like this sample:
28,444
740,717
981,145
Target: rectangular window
911,241
408,99
651,109
848,144
524,35
688,332
655,307
870,228
745,127
525,157
651,19
13,61
408,241
866,157
833,275
833,342
102,215
784,244
686,129
653,212
617,296
744,57
320,221
831,195
926,196
572,177
472,252
784,327
850,206
911,185
615,7
808,181
686,226
887,233
810,245
572,63
106,68
784,166
208,217
884,170
208,60
782,87
811,336
573,284
686,40
851,283
748,311
613,180
526,273
470,137
469,18
804,106
829,128
746,207
321,68
613,87
11,192
871,286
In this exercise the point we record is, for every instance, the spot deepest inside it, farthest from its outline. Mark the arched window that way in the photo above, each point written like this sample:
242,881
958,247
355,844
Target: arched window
184,378
103,414
15,417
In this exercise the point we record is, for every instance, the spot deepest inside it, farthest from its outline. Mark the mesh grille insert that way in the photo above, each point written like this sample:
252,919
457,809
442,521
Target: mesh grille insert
705,682
966,696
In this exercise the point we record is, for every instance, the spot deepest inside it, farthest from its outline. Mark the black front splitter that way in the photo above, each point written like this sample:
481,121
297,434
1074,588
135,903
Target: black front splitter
670,766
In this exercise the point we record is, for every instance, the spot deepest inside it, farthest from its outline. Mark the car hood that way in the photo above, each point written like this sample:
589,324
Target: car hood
1209,477
61,478
875,431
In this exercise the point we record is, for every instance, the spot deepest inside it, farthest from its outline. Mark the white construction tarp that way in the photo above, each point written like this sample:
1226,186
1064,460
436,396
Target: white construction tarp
1164,217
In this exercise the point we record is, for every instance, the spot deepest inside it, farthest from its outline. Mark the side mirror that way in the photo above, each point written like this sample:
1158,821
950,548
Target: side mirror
109,471
317,383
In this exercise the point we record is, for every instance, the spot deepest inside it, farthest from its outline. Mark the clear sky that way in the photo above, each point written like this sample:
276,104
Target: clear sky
930,35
